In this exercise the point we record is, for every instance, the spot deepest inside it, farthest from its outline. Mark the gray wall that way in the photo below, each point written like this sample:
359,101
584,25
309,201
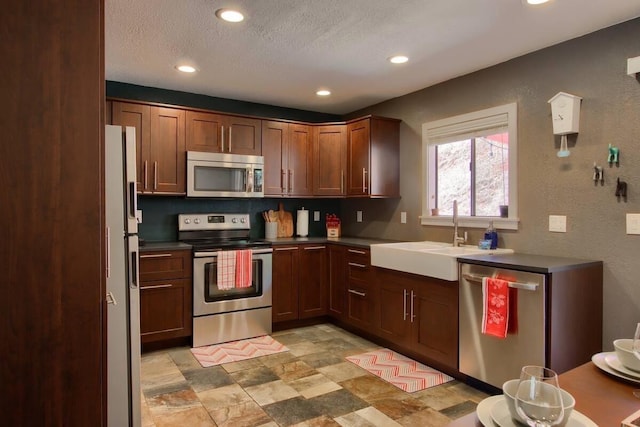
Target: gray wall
593,67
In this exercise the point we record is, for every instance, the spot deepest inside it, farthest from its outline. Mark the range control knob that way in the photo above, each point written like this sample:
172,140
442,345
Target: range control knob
243,220
234,220
197,220
187,221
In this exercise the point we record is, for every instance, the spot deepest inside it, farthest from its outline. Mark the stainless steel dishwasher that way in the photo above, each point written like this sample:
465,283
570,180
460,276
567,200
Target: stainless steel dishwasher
494,360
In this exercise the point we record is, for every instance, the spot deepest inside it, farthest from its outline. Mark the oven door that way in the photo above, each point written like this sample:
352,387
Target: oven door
209,298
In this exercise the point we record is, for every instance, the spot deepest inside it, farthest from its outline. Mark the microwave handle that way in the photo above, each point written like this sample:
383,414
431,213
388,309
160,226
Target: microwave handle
248,179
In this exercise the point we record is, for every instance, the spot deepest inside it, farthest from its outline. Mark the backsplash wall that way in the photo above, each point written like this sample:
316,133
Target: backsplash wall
160,214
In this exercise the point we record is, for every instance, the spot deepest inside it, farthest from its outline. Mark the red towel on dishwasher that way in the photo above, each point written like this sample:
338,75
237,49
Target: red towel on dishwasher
495,302
226,274
244,268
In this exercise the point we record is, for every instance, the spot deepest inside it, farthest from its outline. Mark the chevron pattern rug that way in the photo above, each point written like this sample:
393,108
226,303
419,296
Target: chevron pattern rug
402,372
235,351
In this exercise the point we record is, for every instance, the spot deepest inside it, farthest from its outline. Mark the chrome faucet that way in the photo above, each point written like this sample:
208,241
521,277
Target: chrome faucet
457,239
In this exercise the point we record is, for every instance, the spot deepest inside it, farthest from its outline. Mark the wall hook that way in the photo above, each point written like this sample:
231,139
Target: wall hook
621,190
613,155
598,174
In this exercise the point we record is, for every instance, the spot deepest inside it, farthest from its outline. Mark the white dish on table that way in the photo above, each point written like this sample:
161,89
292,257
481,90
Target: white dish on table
502,417
483,411
598,359
613,361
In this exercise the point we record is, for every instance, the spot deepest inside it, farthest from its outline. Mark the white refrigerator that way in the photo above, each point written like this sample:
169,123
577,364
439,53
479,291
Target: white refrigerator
123,292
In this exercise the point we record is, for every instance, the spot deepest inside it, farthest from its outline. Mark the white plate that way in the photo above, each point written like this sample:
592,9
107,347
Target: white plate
499,414
599,360
612,360
484,409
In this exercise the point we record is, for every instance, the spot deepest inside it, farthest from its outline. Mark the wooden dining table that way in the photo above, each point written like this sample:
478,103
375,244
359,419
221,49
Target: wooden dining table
604,398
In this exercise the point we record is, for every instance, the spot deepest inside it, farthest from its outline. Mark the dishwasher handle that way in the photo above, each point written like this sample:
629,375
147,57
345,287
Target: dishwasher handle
515,285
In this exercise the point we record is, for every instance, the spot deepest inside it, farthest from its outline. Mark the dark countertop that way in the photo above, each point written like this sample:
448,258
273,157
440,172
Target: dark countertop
363,242
164,246
525,262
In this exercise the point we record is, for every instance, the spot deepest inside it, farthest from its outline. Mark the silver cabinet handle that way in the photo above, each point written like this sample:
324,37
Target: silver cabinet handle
290,180
341,181
404,304
355,264
230,128
222,136
355,251
155,256
155,175
360,294
283,180
146,182
364,180
413,316
111,299
290,248
309,248
168,285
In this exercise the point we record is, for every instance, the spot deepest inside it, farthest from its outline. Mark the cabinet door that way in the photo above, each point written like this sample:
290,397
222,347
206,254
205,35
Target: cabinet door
337,280
394,320
138,116
329,160
244,135
163,265
275,137
165,309
300,161
358,138
312,281
435,327
285,283
204,131
168,151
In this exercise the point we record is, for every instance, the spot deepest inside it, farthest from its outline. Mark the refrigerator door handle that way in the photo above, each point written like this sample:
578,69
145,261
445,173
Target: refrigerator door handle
134,269
108,253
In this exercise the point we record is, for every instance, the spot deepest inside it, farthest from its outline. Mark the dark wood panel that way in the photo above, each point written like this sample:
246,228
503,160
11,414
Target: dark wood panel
163,265
138,116
275,137
312,281
300,160
285,283
329,160
204,131
165,310
244,135
393,321
358,136
337,281
54,363
384,177
168,150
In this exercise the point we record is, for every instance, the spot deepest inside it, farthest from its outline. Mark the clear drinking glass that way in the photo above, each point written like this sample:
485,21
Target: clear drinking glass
538,398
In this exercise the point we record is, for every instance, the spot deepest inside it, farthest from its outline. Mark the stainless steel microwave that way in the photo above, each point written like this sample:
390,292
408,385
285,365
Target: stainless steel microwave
224,175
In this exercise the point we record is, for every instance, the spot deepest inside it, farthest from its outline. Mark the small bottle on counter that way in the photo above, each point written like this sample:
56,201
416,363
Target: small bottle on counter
492,235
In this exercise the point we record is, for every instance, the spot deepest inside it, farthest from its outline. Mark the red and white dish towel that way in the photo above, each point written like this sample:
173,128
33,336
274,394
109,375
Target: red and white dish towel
234,269
497,307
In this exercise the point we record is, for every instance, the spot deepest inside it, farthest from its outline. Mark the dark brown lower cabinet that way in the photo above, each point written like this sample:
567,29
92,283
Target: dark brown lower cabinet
419,314
337,281
361,291
166,291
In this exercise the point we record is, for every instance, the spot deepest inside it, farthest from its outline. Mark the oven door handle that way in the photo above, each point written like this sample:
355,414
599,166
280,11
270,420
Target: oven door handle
215,253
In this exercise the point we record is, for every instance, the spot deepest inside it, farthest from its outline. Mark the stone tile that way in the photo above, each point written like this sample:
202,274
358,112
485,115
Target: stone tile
192,417
161,389
293,370
314,385
184,359
302,348
460,410
277,359
244,414
366,417
425,418
272,392
336,346
321,421
255,376
439,397
343,371
368,387
167,403
337,403
318,360
398,405
288,338
223,397
145,413
242,365
205,379
158,369
291,411
466,391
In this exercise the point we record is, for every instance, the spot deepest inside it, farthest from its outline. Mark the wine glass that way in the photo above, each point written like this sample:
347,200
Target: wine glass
538,397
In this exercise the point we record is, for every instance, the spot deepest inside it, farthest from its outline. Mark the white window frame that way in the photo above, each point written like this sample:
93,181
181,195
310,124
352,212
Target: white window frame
466,126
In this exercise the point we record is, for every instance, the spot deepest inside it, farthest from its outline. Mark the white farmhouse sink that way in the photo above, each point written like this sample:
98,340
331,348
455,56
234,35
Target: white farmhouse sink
432,259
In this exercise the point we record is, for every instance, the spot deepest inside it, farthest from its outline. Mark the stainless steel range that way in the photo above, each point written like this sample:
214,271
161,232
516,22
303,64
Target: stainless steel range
223,308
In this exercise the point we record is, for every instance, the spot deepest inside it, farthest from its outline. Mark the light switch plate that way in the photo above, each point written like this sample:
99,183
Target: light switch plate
633,223
316,216
558,223
358,216
403,217
139,216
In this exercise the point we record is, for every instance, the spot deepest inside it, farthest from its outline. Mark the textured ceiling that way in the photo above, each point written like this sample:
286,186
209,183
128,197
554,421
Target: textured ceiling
285,50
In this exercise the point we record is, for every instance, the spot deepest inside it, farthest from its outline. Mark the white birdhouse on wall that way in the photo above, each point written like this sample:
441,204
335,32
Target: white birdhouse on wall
565,113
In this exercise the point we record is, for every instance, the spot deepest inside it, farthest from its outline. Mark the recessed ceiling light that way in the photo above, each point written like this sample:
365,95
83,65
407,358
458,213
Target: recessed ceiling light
537,1
229,15
323,92
186,68
398,59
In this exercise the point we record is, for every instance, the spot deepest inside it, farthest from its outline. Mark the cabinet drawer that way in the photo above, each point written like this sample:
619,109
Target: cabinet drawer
162,265
358,264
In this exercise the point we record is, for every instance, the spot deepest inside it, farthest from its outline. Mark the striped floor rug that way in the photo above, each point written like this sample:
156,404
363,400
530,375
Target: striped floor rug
402,372
235,351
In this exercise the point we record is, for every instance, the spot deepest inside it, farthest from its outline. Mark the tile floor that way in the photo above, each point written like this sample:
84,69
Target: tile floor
311,385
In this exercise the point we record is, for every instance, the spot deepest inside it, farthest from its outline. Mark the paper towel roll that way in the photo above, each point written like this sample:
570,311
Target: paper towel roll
302,225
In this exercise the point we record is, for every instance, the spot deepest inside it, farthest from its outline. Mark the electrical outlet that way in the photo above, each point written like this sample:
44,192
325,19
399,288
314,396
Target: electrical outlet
403,217
558,223
358,216
139,216
316,216
633,223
